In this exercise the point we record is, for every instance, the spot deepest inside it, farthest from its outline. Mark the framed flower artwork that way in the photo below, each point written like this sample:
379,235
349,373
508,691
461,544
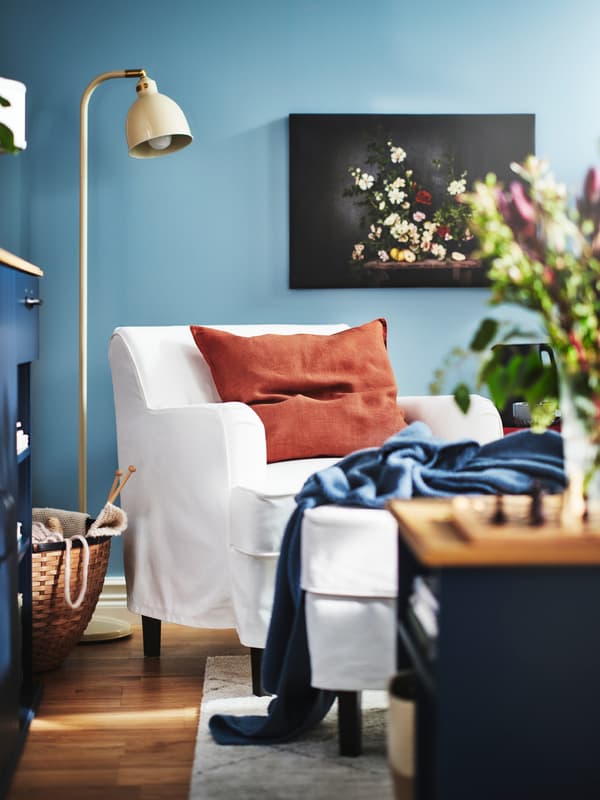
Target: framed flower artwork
375,199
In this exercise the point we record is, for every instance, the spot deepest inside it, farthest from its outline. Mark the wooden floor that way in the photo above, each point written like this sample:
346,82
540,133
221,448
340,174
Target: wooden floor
115,726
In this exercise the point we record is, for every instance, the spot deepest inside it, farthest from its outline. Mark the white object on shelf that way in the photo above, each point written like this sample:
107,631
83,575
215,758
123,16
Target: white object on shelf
13,116
22,439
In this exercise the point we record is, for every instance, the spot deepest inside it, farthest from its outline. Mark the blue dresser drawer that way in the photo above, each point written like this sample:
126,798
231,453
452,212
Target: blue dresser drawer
27,317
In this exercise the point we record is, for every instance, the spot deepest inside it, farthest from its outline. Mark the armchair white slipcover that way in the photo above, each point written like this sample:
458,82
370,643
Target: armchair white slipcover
206,512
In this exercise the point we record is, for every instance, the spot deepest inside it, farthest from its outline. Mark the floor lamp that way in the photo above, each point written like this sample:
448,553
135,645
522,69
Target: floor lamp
155,126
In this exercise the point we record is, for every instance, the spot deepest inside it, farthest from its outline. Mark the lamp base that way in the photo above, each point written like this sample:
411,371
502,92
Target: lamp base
104,629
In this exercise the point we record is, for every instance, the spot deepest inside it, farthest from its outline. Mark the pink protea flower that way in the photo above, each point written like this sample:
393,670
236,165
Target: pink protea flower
521,203
518,211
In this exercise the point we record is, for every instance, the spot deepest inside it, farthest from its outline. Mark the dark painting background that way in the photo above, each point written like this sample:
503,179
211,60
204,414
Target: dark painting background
324,225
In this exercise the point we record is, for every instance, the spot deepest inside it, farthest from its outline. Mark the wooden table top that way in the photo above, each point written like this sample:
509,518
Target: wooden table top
436,532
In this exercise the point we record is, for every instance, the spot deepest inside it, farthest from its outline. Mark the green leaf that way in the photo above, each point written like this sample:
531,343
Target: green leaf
7,142
484,335
4,102
498,389
462,397
490,366
545,387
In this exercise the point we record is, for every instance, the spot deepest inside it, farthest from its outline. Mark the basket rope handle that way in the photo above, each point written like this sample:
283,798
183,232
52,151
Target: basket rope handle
86,561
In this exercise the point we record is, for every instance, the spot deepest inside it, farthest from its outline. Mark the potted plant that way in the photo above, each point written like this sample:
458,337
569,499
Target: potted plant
544,255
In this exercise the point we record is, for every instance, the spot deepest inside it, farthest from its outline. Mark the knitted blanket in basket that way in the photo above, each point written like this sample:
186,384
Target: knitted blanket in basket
412,463
111,521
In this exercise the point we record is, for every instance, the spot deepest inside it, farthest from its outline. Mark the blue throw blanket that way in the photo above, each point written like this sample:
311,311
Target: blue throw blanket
411,463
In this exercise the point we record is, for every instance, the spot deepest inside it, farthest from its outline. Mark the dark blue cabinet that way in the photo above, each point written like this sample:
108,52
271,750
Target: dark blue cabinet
509,690
19,334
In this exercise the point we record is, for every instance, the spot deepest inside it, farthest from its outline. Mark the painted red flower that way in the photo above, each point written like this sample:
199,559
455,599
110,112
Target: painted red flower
423,197
443,230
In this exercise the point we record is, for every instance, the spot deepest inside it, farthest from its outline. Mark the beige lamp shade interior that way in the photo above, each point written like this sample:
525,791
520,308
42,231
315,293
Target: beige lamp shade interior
13,116
155,124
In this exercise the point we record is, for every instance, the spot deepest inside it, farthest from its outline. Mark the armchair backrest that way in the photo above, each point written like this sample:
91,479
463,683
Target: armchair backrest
167,368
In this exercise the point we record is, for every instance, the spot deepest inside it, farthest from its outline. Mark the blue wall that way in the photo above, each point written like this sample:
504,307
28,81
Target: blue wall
202,236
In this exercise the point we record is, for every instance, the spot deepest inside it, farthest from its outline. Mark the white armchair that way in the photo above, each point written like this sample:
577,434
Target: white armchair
206,512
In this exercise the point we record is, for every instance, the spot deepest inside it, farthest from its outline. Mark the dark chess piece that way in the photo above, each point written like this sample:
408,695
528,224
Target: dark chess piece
499,517
536,512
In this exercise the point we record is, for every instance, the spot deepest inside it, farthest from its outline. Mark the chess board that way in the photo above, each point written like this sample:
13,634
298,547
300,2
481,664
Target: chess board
490,519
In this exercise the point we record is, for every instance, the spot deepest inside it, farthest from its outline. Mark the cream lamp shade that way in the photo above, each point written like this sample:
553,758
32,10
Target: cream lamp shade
155,124
13,116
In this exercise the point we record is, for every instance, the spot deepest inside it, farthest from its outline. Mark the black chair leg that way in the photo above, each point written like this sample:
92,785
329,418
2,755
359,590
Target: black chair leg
256,655
349,723
151,636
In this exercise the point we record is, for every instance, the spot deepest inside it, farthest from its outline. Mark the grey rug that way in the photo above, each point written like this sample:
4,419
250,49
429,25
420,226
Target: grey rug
308,767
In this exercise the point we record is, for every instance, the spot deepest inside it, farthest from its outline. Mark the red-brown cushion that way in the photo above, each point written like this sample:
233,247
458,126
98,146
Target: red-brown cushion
316,395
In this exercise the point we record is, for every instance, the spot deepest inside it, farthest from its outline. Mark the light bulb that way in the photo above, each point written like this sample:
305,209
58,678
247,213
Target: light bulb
160,142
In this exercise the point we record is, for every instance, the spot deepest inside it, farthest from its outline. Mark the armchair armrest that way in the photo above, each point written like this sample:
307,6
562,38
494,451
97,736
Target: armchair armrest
482,422
175,548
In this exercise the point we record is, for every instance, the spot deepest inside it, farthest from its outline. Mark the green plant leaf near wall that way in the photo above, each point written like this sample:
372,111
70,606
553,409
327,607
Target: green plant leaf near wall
7,142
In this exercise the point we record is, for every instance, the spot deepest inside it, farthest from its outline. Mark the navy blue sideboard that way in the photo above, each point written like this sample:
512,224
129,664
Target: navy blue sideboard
19,336
508,691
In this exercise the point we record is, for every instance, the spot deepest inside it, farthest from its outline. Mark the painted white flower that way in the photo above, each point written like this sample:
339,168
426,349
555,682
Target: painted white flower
402,230
409,256
457,187
405,206
393,189
439,251
392,219
397,154
419,216
383,256
381,206
375,232
358,252
396,196
456,256
365,181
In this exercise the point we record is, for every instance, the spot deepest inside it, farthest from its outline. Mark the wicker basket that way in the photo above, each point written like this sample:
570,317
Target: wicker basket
56,628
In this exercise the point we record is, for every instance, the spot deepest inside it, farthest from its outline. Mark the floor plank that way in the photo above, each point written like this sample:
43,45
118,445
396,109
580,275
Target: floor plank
113,724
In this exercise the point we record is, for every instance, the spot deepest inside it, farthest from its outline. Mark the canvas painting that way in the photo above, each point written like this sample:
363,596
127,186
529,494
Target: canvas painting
375,199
